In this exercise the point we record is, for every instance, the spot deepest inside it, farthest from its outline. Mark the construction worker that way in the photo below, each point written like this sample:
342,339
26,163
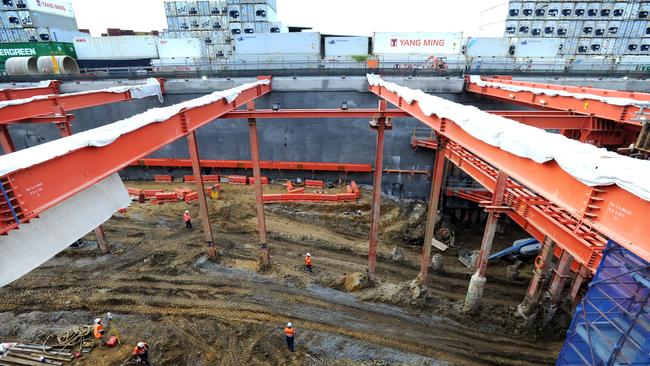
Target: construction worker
141,353
188,219
289,333
98,331
308,262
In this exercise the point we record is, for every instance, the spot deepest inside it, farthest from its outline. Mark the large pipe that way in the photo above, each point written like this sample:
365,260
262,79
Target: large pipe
21,66
65,65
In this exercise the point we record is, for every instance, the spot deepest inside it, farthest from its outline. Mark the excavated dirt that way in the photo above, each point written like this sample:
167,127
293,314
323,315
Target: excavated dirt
161,288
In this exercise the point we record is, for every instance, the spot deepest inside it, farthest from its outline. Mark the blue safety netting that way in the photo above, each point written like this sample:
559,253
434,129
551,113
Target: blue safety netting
611,325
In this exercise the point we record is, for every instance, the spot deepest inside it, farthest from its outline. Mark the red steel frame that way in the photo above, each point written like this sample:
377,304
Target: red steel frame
33,190
549,200
621,114
248,164
21,93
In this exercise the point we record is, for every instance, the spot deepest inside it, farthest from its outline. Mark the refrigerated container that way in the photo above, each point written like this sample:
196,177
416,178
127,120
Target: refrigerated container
25,19
511,27
601,29
181,8
593,10
247,12
587,29
341,47
540,10
417,43
562,29
523,28
487,47
32,35
644,11
606,10
234,13
205,24
216,23
195,23
275,27
262,27
192,8
204,7
12,19
124,47
248,28
536,28
527,10
264,12
580,10
595,46
179,48
566,10
536,47
583,46
614,28
278,43
215,7
631,46
184,23
514,9
235,28
550,27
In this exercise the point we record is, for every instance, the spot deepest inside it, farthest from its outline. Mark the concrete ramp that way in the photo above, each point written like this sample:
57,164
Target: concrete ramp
41,239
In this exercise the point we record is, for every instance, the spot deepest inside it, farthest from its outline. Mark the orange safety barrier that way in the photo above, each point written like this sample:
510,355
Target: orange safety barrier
314,183
265,180
163,178
237,179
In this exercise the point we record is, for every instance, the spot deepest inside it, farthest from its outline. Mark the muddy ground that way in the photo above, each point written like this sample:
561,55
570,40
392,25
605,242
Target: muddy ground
160,287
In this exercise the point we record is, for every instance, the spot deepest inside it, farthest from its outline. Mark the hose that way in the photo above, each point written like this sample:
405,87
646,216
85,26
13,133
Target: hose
72,336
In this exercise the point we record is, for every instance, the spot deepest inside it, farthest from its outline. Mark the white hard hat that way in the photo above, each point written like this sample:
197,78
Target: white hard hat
187,211
289,324
98,320
140,344
309,255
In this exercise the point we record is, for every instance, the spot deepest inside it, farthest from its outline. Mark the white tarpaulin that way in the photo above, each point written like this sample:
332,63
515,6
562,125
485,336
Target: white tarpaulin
476,79
591,165
55,229
105,135
151,88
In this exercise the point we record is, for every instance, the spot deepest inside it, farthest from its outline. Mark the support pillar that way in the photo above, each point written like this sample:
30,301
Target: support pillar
380,125
257,174
432,213
560,276
102,242
581,278
203,205
477,283
528,307
5,140
65,129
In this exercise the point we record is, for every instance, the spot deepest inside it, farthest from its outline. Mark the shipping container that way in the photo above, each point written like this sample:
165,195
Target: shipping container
487,47
540,10
215,22
262,27
527,10
580,10
7,5
601,29
218,38
181,8
569,46
56,8
587,29
523,28
550,28
234,13
247,12
593,10
170,9
536,28
124,47
278,43
25,19
205,23
183,23
13,19
614,28
644,10
511,27
514,10
606,10
554,10
337,47
631,46
192,8
215,7
595,46
536,47
179,48
417,43
204,8
276,27
235,28
64,35
264,12
248,28
566,10
23,49
32,35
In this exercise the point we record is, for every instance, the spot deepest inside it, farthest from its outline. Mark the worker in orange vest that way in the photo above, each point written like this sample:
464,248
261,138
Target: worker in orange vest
188,219
308,262
289,333
141,353
98,331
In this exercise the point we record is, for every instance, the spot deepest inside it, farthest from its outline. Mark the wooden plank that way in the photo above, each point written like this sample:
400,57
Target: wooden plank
440,245
35,358
55,357
19,361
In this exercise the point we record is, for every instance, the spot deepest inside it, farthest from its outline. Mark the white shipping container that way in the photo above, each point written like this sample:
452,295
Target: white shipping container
64,35
123,47
550,29
346,46
601,29
234,13
170,9
593,10
514,9
536,47
595,46
195,23
527,10
276,27
536,28
554,10
247,12
179,48
487,47
25,19
204,8
523,28
192,8
614,28
206,24
235,29
580,10
13,19
511,27
417,43
606,10
32,34
248,28
181,8
278,43
183,23
587,29
566,10
215,8
644,11
53,7
262,27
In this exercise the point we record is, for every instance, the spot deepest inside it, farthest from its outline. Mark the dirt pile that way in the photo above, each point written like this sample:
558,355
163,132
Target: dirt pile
352,282
409,293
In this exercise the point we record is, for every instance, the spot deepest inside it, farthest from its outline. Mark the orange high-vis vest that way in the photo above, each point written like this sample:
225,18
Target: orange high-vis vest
97,331
137,351
308,261
186,217
289,332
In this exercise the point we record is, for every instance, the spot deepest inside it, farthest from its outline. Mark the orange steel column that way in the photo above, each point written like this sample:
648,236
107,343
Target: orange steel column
380,125
432,214
560,275
257,174
203,205
477,283
528,307
5,140
102,242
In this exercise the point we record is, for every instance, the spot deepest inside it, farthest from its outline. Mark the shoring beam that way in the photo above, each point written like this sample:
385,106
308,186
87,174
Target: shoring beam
28,92
375,209
41,186
316,113
622,114
247,164
609,210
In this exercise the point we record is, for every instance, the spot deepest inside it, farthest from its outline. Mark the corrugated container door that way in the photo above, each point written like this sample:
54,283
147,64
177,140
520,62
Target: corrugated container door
631,10
175,24
247,12
204,8
261,27
639,28
170,9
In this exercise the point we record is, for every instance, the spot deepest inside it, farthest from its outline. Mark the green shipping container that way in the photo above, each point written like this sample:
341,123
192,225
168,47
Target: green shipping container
26,49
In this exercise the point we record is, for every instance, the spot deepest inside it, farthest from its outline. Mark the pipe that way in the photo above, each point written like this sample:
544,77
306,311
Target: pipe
21,66
50,64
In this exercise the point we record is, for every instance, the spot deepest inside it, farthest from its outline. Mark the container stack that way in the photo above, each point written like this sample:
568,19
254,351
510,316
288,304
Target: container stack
217,23
604,28
37,21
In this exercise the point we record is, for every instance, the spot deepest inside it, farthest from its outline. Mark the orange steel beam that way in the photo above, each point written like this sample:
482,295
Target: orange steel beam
42,186
545,120
59,104
21,93
247,164
317,113
552,194
622,114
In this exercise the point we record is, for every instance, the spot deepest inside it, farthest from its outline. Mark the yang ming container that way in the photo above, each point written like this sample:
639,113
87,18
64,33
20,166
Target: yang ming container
396,43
